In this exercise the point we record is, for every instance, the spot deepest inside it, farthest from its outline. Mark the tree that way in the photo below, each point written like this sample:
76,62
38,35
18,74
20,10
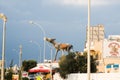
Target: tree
82,64
8,75
66,66
26,65
75,63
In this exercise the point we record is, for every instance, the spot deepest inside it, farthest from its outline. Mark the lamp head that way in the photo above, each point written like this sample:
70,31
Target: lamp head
2,16
31,22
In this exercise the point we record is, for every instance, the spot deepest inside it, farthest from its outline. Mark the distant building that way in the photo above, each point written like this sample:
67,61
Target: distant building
96,37
0,64
106,51
96,33
96,40
111,54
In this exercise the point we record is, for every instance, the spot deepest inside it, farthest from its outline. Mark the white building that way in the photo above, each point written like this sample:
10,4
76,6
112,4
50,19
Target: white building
111,54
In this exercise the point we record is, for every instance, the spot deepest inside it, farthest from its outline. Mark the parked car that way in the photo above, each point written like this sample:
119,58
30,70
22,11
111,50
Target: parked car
31,77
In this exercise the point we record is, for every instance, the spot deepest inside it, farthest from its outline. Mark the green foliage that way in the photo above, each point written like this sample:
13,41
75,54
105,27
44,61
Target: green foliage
75,63
68,65
93,65
81,64
9,74
25,78
28,64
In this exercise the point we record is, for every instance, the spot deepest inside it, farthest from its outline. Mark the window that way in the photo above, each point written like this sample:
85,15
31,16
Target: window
108,66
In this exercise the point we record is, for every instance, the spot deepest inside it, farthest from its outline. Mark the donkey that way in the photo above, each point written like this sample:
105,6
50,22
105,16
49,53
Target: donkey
59,46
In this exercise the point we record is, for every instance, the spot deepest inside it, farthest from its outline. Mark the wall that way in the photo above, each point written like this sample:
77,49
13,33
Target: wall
95,76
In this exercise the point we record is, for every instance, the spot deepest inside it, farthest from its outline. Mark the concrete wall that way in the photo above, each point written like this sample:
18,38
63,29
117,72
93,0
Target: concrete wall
95,76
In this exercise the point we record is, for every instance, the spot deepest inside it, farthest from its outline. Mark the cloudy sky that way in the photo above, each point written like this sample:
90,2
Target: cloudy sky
64,20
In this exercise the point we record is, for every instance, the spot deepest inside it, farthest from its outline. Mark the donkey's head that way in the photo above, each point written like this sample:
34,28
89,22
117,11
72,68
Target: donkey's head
51,40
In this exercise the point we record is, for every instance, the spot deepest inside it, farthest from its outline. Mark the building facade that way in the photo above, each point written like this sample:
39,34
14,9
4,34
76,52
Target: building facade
106,51
0,64
96,38
111,54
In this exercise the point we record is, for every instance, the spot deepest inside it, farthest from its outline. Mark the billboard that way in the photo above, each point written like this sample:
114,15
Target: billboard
111,49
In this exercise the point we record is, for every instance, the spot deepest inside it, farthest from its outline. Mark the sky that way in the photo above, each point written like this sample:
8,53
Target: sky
65,20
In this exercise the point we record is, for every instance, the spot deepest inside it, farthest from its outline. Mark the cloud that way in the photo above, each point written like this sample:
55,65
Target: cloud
82,2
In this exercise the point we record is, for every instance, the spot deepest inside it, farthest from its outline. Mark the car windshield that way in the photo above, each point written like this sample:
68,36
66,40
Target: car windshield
31,75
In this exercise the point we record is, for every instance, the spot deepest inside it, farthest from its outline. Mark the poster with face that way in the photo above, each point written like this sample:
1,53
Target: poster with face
111,49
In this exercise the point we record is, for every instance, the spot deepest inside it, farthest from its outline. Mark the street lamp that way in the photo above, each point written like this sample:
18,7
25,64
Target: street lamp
4,18
51,52
88,53
31,22
39,48
20,62
51,62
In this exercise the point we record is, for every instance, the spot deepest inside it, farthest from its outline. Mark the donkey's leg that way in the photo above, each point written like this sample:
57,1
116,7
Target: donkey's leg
69,48
56,55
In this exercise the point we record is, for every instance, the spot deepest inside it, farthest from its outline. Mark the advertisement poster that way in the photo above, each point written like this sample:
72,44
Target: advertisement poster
111,49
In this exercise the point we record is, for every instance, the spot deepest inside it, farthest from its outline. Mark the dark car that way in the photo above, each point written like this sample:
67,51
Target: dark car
31,77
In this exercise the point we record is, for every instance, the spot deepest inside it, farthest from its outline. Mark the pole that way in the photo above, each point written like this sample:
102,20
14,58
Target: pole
51,52
3,45
31,22
51,63
20,62
88,55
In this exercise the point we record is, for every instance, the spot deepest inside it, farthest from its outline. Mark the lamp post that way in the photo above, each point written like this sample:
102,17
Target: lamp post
51,62
31,22
39,48
2,16
88,53
20,59
51,52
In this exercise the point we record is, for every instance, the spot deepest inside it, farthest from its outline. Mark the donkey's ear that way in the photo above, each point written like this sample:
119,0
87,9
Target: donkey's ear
47,39
53,39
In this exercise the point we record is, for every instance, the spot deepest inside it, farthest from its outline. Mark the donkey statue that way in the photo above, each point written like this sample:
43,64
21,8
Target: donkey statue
59,46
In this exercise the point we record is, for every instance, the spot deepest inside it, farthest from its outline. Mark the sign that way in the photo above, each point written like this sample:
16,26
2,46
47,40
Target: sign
24,74
111,49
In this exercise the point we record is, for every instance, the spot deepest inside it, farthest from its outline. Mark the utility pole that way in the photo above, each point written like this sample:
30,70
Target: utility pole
20,64
88,53
2,16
